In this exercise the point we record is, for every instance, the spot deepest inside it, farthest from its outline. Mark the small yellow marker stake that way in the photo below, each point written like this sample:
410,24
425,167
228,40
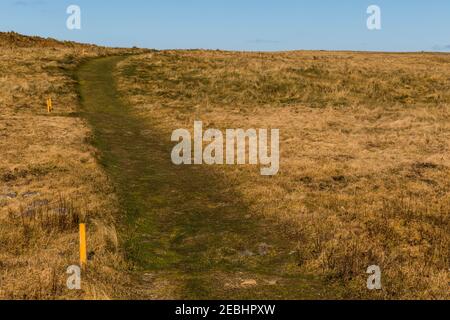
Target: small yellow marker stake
49,105
83,254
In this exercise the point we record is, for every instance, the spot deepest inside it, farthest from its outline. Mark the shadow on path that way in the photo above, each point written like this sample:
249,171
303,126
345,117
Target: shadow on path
190,235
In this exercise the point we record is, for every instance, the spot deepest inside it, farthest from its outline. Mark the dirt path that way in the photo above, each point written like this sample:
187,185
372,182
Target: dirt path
190,236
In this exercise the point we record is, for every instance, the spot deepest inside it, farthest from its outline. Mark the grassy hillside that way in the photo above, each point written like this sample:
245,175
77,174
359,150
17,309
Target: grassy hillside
49,178
364,152
365,141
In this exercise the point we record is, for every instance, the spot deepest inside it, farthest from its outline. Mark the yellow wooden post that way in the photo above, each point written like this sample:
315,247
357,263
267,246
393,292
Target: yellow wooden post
83,252
49,105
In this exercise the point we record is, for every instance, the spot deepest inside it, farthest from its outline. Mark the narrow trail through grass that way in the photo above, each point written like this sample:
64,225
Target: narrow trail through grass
190,236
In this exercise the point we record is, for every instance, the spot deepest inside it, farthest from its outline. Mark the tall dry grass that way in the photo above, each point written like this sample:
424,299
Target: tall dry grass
365,141
49,178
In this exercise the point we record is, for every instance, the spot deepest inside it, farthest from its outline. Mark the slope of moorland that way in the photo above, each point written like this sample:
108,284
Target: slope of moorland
49,178
16,40
365,142
190,234
365,145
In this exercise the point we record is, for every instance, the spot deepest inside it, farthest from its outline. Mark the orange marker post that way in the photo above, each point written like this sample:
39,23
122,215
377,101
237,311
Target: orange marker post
83,252
49,105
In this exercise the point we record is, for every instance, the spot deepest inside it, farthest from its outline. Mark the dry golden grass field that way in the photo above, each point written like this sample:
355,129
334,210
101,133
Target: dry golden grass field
364,171
49,178
365,152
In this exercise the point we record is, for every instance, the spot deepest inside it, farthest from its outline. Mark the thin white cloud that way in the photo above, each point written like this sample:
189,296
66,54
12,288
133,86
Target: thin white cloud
29,3
441,47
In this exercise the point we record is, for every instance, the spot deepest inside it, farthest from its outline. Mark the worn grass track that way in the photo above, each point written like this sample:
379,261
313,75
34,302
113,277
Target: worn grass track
187,232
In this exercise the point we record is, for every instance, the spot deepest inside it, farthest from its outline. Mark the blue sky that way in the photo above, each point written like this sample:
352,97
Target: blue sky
266,25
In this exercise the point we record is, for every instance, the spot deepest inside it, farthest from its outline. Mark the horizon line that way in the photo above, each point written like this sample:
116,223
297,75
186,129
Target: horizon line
233,50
